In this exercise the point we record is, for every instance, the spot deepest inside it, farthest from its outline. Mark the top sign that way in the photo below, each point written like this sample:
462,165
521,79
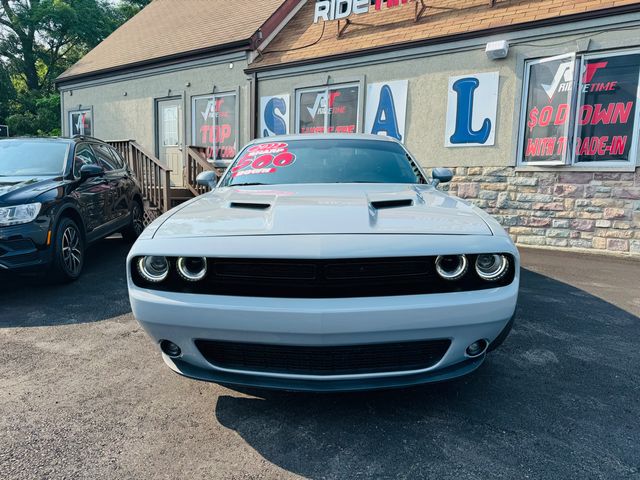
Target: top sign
338,9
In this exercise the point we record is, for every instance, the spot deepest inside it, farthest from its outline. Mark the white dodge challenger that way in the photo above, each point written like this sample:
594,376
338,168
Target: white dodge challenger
325,262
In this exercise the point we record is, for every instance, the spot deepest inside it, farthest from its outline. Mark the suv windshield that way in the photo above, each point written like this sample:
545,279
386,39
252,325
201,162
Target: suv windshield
22,158
322,161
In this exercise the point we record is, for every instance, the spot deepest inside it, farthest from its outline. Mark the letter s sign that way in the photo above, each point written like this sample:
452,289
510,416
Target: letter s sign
274,115
471,110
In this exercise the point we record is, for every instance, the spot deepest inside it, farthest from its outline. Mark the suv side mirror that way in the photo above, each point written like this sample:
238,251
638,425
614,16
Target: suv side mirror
441,175
90,171
207,179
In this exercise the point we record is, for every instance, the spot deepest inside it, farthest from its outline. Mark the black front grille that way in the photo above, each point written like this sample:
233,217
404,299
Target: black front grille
337,278
334,360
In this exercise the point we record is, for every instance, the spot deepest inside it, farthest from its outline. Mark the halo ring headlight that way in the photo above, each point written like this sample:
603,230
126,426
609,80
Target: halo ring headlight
451,267
192,269
491,267
153,269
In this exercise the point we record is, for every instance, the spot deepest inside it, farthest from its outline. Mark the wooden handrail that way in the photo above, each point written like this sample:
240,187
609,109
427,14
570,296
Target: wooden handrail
196,164
154,176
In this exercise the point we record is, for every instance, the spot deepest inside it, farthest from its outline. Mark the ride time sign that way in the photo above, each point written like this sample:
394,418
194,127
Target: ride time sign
338,9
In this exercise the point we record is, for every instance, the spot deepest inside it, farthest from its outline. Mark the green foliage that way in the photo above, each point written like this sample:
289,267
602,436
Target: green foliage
40,39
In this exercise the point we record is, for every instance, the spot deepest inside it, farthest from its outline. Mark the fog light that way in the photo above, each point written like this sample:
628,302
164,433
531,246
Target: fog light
451,267
170,349
477,348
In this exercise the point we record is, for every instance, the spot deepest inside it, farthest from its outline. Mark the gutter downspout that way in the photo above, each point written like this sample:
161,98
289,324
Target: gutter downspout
254,107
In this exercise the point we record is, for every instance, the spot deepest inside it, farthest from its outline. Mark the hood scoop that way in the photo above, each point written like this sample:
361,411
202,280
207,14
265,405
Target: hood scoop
250,205
383,204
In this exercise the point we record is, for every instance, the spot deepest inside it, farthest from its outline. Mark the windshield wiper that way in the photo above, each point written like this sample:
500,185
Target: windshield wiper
247,184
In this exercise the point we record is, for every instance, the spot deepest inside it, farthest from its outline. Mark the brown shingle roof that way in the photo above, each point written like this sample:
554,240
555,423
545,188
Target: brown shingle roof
303,40
166,28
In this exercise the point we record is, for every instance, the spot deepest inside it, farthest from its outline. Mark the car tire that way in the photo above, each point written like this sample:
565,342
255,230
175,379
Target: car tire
133,231
68,252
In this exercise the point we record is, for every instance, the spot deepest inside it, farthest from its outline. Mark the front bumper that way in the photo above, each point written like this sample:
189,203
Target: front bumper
462,317
23,248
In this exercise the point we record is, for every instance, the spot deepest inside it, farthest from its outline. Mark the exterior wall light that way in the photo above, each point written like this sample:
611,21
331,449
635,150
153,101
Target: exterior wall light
497,50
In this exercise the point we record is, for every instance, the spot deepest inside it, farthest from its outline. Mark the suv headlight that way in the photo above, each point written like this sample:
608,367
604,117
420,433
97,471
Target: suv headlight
19,214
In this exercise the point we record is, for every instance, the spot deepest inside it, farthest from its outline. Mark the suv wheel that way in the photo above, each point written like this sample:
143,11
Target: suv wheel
133,231
68,251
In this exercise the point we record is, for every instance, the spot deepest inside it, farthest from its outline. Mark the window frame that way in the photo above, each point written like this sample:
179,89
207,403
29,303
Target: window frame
633,151
81,109
226,93
334,86
523,113
574,99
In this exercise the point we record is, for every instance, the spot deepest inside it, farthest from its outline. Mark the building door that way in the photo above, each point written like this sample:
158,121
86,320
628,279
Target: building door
170,138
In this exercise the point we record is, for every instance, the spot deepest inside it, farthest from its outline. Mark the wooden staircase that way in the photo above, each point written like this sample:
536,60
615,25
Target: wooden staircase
154,176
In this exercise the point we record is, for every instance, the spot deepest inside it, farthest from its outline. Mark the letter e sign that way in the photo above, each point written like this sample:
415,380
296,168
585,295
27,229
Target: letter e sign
471,110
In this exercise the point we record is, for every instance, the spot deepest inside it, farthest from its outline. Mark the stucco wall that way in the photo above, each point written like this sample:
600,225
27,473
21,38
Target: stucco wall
117,116
426,101
428,77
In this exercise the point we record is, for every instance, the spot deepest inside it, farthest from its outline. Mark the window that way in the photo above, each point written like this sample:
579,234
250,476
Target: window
317,160
215,124
23,157
107,159
170,137
84,156
581,110
81,122
328,110
117,158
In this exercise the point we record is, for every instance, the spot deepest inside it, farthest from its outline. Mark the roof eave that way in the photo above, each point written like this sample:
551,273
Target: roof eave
588,15
241,45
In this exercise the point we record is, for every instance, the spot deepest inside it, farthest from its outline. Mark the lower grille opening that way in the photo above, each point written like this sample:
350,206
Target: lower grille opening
324,360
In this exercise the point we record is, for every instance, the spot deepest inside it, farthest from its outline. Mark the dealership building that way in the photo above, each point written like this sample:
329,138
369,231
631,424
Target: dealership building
532,103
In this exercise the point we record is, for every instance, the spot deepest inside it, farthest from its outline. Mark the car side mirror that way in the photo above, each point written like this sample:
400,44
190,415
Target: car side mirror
91,171
207,179
441,175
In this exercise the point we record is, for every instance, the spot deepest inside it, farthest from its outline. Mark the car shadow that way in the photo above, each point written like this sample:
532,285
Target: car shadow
557,400
99,294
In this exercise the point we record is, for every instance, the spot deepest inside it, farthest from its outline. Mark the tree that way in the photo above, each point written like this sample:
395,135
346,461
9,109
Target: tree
40,39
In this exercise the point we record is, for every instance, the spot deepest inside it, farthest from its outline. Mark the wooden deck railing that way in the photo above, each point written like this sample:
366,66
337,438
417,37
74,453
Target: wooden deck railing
196,164
152,174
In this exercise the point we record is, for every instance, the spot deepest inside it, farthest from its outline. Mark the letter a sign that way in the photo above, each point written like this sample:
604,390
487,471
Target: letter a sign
471,110
386,109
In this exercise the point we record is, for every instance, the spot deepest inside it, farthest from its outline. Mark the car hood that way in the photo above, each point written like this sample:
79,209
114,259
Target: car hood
324,209
21,189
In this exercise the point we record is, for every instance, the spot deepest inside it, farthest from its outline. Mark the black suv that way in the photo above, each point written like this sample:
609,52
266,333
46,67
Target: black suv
58,195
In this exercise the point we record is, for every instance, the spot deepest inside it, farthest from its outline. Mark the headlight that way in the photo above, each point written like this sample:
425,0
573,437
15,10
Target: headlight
491,266
153,269
19,214
451,267
192,269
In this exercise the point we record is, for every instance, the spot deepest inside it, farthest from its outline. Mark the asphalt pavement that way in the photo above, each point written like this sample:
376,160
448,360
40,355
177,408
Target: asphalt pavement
85,394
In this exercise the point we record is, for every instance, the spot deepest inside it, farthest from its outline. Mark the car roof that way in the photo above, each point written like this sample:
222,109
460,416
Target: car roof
325,136
68,140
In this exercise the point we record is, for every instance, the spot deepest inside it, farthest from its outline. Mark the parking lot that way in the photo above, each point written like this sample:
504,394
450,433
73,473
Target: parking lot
84,393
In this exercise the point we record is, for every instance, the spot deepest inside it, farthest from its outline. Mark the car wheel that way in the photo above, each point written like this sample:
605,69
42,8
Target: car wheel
68,252
133,231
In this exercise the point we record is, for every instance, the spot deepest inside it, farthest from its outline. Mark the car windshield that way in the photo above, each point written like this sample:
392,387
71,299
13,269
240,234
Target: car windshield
322,161
22,158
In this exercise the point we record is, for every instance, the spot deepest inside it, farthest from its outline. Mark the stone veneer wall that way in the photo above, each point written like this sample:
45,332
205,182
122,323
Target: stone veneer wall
589,210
